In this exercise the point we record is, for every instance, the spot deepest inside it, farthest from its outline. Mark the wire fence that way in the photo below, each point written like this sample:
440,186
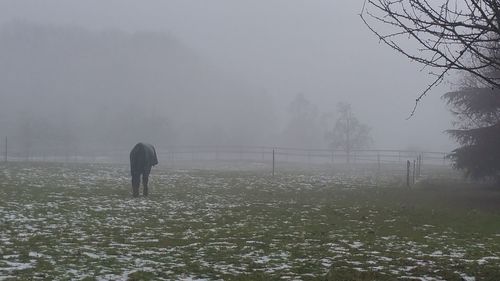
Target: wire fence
299,155
275,159
403,166
271,156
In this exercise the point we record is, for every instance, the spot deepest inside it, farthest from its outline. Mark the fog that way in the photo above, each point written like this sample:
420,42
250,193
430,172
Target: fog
99,74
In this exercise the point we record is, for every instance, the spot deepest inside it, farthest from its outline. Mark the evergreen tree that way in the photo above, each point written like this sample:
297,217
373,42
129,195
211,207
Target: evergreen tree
477,112
476,107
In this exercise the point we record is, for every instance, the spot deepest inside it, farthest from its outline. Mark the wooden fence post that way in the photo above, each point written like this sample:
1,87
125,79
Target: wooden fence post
5,150
414,169
273,162
408,173
419,165
378,161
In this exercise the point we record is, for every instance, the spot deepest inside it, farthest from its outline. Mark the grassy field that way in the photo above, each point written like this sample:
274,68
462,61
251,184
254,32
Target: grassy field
68,222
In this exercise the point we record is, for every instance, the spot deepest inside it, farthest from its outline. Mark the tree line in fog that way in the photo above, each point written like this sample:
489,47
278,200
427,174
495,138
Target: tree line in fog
70,89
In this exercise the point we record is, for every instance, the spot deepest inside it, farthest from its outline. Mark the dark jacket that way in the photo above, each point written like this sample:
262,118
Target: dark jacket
142,156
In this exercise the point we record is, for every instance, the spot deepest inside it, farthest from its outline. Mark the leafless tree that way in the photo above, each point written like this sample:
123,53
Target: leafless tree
450,35
348,133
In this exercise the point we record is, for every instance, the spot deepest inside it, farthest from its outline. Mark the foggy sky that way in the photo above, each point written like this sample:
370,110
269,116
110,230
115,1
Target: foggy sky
318,48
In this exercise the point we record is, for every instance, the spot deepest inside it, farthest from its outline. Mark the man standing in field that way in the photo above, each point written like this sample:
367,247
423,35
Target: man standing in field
142,158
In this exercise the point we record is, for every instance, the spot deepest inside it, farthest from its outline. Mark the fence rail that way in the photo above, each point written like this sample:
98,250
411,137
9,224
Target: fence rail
298,155
260,154
404,164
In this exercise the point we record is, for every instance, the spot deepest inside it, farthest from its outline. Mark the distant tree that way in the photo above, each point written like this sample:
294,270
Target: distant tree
448,35
348,133
303,128
477,112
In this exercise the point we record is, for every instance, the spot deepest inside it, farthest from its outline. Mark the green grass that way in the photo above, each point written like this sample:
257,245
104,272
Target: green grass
80,222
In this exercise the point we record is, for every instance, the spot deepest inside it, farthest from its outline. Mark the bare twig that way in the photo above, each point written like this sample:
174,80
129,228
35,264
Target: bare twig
456,35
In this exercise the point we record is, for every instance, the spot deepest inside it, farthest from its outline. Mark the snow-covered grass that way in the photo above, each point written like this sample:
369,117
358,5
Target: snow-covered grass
68,222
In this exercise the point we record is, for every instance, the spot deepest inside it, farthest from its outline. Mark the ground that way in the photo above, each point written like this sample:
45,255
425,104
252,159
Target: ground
78,221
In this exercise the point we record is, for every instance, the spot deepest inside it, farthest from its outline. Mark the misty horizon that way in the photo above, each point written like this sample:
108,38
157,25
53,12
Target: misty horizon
205,82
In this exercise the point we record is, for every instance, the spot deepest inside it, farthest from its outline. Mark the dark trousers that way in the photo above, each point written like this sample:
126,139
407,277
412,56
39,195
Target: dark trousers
136,181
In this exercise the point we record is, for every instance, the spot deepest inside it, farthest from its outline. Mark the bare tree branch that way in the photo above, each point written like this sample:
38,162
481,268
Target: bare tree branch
454,35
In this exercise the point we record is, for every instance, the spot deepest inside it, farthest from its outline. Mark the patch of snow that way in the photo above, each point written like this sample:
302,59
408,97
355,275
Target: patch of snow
191,278
465,277
356,245
484,260
16,266
91,255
